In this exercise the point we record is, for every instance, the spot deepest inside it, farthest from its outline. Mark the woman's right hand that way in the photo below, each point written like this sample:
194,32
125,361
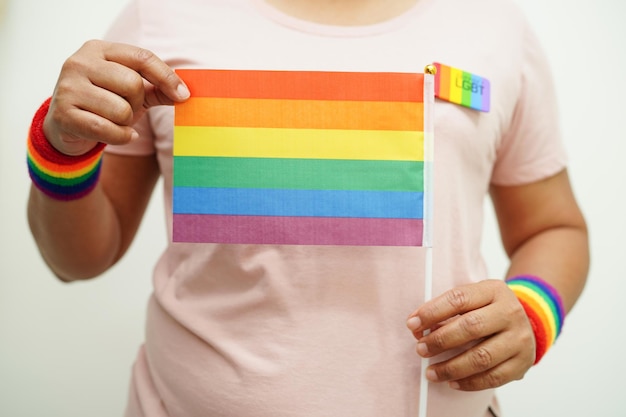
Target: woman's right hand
102,90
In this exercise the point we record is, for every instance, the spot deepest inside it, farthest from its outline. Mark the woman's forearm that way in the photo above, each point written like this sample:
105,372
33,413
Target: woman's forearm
78,239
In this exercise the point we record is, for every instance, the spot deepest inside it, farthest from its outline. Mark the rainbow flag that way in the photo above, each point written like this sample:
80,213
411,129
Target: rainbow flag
462,87
301,158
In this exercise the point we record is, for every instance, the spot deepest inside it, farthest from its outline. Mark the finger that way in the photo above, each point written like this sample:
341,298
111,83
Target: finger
107,89
129,84
510,370
82,125
419,334
150,67
109,114
475,360
469,327
453,302
122,82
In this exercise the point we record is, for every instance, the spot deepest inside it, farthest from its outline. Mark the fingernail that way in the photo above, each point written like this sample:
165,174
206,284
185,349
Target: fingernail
431,375
422,349
454,385
183,91
414,323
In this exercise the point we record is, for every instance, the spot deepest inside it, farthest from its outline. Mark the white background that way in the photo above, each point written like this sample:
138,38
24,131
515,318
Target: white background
66,350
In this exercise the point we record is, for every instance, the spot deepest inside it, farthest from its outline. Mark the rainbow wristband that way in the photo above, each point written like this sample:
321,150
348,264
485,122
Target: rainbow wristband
60,176
544,309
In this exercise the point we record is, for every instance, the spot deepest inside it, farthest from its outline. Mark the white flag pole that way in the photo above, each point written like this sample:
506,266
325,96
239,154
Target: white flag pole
428,271
429,102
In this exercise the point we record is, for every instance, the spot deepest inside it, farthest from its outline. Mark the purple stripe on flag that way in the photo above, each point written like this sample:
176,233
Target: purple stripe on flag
297,230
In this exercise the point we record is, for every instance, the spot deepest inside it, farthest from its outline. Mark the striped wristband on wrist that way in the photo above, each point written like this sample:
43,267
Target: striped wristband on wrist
544,309
60,176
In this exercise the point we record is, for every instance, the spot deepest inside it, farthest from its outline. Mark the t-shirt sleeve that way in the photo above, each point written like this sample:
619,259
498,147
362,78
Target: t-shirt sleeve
127,29
531,147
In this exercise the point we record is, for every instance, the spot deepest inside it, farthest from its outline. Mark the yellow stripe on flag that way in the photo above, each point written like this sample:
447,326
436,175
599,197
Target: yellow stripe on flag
298,143
456,92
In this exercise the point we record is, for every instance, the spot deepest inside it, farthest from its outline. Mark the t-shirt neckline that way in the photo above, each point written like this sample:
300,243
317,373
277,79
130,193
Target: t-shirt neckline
321,29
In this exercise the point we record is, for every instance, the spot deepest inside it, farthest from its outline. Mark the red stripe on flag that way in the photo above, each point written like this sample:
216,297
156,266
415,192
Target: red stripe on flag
309,85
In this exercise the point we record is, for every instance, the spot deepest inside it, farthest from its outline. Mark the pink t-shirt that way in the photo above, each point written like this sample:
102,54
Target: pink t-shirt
312,331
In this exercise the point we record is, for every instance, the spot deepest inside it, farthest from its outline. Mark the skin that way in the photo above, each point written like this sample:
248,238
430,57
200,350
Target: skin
104,88
544,234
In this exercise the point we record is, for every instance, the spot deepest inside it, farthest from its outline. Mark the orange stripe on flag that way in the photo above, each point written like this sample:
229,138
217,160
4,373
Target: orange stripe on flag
305,114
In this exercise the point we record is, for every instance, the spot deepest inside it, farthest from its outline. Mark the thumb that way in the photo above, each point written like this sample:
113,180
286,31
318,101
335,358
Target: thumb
154,96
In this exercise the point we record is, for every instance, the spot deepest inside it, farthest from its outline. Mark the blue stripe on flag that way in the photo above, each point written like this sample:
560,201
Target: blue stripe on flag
309,203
